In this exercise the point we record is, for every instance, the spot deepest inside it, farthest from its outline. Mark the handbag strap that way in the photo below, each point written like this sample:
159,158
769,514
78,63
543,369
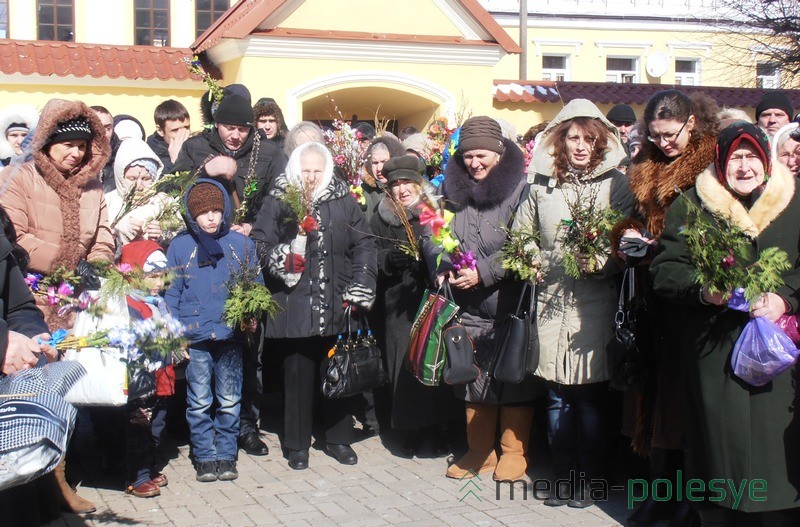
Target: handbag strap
626,294
525,288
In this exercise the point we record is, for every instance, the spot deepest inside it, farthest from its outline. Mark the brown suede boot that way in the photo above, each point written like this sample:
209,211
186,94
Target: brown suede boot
70,501
481,457
515,425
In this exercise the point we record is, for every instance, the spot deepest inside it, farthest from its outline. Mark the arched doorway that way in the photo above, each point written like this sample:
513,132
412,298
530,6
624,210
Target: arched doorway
404,99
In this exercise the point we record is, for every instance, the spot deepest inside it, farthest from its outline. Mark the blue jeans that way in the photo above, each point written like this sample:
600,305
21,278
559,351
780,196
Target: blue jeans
576,428
214,440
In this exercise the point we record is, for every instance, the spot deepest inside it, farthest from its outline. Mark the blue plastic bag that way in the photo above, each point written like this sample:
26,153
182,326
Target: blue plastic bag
763,350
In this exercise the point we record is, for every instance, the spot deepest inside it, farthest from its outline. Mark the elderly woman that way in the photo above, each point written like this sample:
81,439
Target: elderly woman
574,165
401,284
56,200
301,133
379,152
312,281
483,185
786,147
136,168
736,432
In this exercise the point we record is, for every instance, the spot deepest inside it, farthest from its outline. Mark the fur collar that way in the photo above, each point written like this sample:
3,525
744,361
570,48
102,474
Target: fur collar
654,178
718,200
461,190
70,189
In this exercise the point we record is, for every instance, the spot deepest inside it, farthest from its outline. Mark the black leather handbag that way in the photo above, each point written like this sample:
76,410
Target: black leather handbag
355,364
459,357
517,352
629,370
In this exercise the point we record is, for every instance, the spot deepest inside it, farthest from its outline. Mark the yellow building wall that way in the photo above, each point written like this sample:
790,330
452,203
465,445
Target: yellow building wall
588,64
412,17
118,100
470,86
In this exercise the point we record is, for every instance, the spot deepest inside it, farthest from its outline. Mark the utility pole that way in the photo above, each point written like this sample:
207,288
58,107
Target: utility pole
523,39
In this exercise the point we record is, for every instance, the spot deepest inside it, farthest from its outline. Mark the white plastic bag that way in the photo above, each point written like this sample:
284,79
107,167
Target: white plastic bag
105,383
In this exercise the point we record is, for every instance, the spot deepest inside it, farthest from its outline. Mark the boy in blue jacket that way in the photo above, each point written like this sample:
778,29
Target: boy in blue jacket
206,256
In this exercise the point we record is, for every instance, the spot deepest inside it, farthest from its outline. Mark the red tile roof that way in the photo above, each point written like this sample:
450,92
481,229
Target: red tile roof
611,93
243,19
93,60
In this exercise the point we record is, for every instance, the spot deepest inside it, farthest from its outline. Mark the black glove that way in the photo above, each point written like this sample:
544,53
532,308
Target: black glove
89,279
397,260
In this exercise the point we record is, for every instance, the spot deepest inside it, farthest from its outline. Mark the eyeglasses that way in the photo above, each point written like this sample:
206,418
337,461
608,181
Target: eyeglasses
669,138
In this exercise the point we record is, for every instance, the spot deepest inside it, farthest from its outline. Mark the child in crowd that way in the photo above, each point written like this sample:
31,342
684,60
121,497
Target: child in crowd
204,259
145,416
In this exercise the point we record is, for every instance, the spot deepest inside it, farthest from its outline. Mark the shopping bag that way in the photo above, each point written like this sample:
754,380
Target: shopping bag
426,352
763,350
35,421
105,383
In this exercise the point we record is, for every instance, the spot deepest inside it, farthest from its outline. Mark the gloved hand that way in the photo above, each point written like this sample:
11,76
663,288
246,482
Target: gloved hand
397,260
295,263
89,278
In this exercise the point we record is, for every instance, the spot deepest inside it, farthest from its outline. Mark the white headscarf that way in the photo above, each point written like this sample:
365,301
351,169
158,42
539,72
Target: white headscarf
294,172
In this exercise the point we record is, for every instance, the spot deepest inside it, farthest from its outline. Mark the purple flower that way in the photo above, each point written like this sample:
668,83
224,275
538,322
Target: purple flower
728,261
65,289
33,280
464,261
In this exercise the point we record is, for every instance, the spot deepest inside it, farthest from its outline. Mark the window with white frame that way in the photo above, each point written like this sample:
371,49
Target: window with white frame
555,68
622,69
687,72
768,75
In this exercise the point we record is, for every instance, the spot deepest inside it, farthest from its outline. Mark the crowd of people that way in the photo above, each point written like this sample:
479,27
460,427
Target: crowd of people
66,192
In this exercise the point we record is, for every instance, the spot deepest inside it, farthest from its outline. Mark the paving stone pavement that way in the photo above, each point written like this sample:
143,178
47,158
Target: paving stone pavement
381,489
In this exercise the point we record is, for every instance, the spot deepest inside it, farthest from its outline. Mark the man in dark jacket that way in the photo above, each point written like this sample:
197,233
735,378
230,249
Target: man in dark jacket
235,154
172,130
245,162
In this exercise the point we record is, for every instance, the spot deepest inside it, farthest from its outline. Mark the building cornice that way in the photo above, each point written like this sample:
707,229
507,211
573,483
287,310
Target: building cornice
352,50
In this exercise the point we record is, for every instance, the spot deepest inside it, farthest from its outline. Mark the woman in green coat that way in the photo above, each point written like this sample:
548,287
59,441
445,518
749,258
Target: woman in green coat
742,436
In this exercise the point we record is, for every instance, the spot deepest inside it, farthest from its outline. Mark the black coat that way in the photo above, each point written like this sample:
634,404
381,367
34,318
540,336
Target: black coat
340,263
270,162
19,310
161,149
400,290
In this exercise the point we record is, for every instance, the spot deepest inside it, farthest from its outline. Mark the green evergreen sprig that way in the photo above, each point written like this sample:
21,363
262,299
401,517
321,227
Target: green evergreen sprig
521,253
587,229
723,256
247,299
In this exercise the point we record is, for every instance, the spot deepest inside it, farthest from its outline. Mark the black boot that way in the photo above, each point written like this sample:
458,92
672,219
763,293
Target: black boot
646,514
685,516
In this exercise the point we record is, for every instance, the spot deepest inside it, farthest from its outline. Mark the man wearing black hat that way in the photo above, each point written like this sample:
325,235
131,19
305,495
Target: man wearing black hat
623,117
228,152
230,144
774,111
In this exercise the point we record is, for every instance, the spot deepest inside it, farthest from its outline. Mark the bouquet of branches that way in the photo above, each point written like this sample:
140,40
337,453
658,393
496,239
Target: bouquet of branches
521,253
215,92
343,143
171,185
439,223
248,299
437,148
251,188
587,229
301,204
409,246
57,288
720,252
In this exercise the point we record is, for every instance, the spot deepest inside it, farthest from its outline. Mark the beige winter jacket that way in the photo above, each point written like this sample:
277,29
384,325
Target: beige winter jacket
574,317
